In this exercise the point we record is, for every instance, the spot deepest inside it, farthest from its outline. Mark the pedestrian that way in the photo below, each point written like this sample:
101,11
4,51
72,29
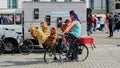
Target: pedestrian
111,23
90,24
106,23
102,23
116,18
95,20
71,35
117,26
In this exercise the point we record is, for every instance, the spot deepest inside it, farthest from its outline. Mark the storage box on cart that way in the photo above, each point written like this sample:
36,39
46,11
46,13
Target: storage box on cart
86,39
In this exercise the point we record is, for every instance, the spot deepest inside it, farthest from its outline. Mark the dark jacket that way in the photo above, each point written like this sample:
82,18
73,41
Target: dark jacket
111,20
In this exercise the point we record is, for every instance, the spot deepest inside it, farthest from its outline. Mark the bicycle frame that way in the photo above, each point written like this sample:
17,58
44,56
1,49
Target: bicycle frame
74,49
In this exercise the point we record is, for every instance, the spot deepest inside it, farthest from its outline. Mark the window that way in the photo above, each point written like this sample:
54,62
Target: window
82,0
68,0
117,5
18,18
6,19
35,0
92,4
44,0
53,0
12,3
60,0
116,0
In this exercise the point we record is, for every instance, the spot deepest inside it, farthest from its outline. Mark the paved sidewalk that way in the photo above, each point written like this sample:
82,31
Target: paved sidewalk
105,55
101,57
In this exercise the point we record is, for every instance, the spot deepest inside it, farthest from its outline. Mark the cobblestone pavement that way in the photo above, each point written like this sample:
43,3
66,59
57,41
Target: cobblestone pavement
105,55
101,38
101,57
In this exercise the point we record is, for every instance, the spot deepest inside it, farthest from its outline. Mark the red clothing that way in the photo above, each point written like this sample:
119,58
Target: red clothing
64,26
91,20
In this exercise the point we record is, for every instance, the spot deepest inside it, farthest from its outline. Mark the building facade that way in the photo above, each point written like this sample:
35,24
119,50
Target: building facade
11,3
18,3
114,6
98,6
104,6
61,7
57,9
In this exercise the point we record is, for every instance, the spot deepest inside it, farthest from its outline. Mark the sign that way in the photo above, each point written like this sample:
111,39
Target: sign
59,13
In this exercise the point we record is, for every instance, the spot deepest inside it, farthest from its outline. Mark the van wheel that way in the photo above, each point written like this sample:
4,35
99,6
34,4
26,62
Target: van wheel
9,46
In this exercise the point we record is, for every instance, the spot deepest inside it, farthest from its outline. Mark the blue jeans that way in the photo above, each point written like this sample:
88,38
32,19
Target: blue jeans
90,26
113,28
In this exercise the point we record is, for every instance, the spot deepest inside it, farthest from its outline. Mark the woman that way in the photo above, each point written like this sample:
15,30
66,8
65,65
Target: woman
106,23
75,30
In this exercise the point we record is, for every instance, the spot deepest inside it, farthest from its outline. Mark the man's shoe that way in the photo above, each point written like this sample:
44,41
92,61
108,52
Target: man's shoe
110,36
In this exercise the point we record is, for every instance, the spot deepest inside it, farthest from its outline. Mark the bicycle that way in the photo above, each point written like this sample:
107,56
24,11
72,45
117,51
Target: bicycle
5,45
54,53
26,46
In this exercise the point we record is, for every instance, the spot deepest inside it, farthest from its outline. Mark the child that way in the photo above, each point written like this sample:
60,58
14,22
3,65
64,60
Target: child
66,24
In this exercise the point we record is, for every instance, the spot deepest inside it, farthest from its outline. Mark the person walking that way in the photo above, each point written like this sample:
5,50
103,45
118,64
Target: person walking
106,24
95,20
116,18
90,24
117,26
111,23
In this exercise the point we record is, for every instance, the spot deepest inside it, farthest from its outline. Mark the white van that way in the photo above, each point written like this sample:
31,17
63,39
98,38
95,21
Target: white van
10,19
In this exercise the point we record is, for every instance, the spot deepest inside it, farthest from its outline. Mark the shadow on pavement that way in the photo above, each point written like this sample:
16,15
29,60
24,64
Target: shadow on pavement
118,45
115,38
19,63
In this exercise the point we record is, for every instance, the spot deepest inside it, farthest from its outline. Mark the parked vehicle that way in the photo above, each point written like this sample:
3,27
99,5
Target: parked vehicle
100,21
10,19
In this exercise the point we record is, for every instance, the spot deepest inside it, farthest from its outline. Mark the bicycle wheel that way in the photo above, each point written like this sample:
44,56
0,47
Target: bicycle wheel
25,47
2,48
82,52
50,55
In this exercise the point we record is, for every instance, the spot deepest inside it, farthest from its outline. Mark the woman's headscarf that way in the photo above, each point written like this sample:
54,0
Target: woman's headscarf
72,12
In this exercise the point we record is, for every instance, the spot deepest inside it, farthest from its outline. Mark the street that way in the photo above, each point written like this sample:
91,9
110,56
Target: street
105,55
